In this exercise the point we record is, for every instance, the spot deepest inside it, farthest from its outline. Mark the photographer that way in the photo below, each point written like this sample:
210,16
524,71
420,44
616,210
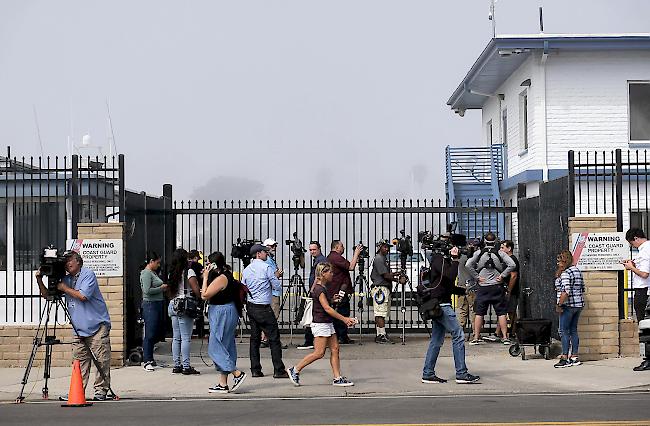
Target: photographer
90,319
341,288
490,267
382,278
442,276
260,280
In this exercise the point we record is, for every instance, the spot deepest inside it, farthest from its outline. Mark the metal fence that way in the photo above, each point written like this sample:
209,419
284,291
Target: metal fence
216,225
612,183
42,200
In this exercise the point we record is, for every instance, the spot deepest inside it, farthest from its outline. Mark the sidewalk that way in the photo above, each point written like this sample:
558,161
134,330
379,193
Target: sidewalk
375,369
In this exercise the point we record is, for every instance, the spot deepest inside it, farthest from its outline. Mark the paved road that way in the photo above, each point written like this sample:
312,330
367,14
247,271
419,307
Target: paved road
631,407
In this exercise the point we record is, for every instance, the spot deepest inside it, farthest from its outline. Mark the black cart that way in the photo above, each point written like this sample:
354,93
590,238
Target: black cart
532,332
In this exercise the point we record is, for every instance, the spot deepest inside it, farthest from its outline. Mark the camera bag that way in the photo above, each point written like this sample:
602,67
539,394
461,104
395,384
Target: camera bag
186,306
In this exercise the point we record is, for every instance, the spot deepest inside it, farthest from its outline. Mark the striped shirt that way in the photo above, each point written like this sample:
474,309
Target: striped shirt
571,283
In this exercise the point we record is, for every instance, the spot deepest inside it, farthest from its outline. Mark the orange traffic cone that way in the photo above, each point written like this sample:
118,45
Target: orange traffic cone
77,394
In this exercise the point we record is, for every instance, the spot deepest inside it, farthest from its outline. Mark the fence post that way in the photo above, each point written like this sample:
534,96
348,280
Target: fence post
572,182
121,190
75,195
619,228
169,239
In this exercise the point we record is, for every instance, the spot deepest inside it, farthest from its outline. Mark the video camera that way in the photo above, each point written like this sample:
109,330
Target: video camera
443,243
53,262
242,250
298,251
365,253
404,246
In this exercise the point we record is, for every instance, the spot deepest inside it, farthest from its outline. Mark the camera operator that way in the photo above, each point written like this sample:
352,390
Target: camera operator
341,287
89,317
467,301
442,276
490,267
276,295
382,278
260,280
317,258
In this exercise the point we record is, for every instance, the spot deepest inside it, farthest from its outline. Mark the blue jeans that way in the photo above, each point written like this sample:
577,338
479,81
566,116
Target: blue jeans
446,322
221,346
182,327
569,329
152,313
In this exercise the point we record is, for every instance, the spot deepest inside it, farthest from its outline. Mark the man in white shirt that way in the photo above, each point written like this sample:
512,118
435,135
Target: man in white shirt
640,267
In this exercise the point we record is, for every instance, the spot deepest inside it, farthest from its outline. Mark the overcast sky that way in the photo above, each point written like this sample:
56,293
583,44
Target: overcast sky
266,99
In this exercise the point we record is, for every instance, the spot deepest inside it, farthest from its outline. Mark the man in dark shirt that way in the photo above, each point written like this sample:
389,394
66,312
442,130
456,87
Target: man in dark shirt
441,285
341,282
317,257
512,289
382,285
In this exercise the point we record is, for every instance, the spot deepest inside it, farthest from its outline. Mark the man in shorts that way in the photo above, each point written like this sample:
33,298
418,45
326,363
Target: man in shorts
380,290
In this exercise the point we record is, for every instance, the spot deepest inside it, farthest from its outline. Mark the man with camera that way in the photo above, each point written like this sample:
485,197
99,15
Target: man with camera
436,305
380,291
89,318
341,286
490,267
261,281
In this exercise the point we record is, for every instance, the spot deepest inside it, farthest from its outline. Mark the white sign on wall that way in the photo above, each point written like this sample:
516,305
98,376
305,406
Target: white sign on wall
599,251
104,257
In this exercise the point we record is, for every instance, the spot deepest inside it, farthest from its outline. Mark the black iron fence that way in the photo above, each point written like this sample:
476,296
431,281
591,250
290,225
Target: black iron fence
612,183
217,225
42,199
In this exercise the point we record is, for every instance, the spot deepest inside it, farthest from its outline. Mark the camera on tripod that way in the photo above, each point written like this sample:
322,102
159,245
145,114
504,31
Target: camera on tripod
242,250
443,243
298,251
53,262
404,246
365,253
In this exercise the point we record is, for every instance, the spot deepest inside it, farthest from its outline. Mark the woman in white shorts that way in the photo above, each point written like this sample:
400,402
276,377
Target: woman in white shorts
322,328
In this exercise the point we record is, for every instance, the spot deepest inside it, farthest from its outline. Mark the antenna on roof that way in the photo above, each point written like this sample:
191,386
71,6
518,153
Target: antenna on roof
38,130
493,18
541,20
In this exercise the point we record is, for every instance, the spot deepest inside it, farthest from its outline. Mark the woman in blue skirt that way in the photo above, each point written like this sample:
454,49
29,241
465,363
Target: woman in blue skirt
219,288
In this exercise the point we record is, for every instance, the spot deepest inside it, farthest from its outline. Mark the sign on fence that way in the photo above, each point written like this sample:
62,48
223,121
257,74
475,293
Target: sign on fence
599,251
104,257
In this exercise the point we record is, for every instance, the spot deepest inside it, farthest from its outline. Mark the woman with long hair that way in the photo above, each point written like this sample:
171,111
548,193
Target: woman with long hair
182,283
152,306
220,290
322,328
569,288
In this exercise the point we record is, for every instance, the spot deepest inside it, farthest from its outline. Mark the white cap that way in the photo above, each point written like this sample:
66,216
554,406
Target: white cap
270,242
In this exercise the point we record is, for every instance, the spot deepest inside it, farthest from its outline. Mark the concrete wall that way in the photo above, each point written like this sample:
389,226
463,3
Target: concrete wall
16,341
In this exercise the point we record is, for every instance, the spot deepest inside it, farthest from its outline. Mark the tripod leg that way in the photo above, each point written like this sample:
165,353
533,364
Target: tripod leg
37,342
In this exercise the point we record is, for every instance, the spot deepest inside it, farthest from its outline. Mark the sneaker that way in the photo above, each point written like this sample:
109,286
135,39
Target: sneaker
281,375
237,381
382,338
475,342
342,381
189,371
562,363
467,378
177,369
148,366
257,374
294,376
264,344
305,347
645,365
63,397
433,379
574,361
506,342
218,389
103,397
492,338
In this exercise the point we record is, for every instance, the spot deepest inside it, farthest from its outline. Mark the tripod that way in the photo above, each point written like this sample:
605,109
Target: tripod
44,338
298,290
362,282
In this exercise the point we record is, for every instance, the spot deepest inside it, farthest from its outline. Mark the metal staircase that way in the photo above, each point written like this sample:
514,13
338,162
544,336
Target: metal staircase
473,176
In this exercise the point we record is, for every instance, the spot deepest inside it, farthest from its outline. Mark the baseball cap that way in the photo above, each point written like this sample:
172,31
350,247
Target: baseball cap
270,242
258,248
383,242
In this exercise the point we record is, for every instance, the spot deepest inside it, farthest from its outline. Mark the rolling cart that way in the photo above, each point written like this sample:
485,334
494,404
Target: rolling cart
532,332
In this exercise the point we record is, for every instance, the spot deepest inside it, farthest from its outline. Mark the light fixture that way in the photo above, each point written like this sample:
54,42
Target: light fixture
525,83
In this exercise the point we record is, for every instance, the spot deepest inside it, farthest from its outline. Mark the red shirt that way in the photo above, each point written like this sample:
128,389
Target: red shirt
341,274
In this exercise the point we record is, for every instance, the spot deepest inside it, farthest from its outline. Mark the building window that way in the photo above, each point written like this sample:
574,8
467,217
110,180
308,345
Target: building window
523,119
489,133
37,225
639,111
639,219
504,129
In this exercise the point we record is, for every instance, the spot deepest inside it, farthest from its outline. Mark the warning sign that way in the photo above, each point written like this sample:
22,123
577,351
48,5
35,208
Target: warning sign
599,251
104,257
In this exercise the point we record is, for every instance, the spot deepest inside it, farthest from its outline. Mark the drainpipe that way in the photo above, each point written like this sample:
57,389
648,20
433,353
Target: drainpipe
544,130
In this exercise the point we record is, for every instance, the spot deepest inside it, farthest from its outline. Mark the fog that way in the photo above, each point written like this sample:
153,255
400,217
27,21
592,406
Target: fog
263,99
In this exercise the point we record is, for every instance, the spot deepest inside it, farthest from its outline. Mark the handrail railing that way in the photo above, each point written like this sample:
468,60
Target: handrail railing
474,164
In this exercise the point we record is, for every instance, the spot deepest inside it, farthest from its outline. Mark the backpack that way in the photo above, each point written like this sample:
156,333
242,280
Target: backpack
490,262
241,294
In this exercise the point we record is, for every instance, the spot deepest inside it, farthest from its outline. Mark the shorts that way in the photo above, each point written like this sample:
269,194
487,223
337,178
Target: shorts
494,295
381,301
513,303
322,329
